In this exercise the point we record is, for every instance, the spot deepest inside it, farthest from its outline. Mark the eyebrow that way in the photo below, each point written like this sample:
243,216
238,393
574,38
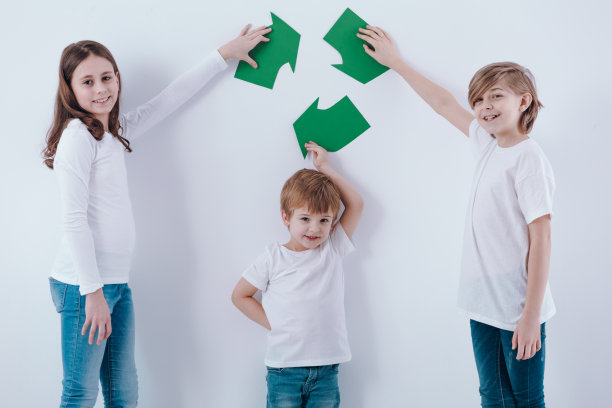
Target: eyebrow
310,215
90,76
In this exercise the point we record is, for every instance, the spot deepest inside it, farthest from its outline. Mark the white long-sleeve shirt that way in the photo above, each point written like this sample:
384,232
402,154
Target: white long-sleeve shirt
98,225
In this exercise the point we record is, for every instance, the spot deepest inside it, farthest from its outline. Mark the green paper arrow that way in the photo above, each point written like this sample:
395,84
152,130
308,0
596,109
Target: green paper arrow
331,128
271,56
355,62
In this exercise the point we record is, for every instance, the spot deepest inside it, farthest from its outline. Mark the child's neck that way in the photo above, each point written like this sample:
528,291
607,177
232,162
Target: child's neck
104,120
509,139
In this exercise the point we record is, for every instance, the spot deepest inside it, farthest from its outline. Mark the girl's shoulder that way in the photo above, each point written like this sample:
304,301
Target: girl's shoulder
75,137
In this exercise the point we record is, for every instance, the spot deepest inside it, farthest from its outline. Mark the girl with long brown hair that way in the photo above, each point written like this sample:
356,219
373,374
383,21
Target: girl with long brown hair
86,145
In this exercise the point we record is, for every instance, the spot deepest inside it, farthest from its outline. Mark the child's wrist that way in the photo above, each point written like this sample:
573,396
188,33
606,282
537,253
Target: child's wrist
325,168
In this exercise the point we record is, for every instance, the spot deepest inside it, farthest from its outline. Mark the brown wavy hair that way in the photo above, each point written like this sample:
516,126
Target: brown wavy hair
67,107
312,189
518,78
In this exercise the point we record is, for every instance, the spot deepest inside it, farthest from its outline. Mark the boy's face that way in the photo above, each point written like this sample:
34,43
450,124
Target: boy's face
307,230
499,109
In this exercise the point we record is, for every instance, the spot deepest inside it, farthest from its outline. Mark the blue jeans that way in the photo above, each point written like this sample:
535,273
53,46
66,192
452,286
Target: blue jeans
111,363
504,380
303,387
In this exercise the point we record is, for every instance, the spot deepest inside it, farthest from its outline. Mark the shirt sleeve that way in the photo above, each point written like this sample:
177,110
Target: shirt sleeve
258,273
72,165
479,138
136,122
340,242
535,195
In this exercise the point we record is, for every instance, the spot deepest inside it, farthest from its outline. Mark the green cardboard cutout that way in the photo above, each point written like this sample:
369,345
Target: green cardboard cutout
331,128
355,62
271,56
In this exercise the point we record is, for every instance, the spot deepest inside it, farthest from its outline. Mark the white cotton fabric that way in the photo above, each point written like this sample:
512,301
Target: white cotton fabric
98,225
512,187
303,297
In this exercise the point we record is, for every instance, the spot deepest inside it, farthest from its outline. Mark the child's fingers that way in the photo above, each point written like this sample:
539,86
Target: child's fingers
514,341
259,39
85,325
366,38
250,61
101,334
520,352
245,29
538,345
368,50
92,332
260,31
530,351
378,31
370,33
108,330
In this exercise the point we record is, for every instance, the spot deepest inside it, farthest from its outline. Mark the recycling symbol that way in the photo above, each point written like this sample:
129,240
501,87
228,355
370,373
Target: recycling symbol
331,128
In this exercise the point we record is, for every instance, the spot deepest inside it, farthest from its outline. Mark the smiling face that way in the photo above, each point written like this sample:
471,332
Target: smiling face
499,110
307,230
96,87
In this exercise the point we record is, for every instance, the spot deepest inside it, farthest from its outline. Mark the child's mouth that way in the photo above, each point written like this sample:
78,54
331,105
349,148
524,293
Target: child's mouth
102,100
311,238
489,118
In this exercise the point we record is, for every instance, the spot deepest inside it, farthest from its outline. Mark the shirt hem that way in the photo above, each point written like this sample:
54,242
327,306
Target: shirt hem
308,363
501,325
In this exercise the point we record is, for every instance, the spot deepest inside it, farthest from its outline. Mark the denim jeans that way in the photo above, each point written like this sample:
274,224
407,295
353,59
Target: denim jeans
111,363
504,380
303,387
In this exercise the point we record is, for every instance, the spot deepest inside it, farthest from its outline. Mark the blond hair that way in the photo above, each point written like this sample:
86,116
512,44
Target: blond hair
311,189
518,78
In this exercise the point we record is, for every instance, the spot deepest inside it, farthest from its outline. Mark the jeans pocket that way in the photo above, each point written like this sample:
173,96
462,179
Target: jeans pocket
334,368
275,369
58,293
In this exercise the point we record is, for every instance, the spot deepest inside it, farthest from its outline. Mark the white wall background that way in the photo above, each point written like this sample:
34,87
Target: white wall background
205,186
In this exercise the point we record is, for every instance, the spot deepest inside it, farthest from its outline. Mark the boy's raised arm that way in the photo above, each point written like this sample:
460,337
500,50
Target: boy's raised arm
437,97
353,203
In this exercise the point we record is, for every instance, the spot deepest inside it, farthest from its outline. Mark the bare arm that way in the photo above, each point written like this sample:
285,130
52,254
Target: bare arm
353,203
242,298
437,97
527,333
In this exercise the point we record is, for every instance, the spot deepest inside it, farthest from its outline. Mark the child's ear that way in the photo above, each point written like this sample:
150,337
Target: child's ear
526,100
285,218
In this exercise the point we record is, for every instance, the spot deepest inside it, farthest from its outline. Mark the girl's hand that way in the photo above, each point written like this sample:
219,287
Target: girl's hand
385,51
98,315
527,337
240,46
319,154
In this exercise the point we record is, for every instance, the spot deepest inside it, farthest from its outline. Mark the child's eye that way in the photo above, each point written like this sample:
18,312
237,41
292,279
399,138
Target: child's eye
498,96
324,220
106,78
478,100
304,218
87,82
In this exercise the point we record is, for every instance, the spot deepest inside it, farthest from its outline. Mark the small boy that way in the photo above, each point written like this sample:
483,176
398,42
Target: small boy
302,286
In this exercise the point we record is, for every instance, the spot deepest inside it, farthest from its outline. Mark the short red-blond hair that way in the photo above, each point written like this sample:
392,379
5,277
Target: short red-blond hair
518,78
311,189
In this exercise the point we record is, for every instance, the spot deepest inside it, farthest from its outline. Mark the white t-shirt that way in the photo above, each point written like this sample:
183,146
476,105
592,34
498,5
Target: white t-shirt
511,188
303,297
97,216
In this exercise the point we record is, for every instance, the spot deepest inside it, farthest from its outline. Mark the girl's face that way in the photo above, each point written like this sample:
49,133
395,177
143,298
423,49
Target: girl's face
499,110
96,87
